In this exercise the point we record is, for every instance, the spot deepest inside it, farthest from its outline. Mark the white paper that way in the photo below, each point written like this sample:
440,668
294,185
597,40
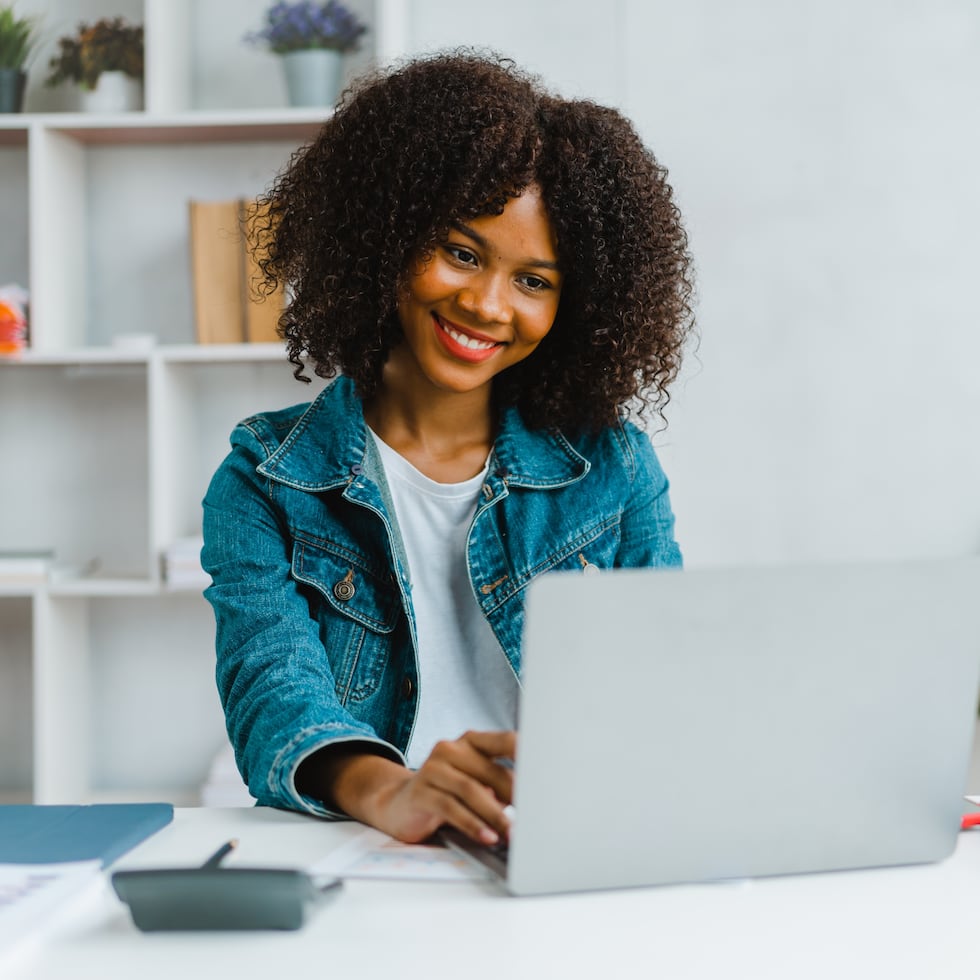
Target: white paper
32,894
373,854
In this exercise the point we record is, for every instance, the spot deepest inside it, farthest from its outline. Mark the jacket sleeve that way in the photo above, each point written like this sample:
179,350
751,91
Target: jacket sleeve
273,675
647,523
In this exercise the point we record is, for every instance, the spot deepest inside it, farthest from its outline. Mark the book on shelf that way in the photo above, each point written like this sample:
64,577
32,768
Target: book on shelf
262,311
228,305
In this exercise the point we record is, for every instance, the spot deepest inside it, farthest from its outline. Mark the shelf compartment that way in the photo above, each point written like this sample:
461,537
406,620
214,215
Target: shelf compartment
84,494
16,695
194,408
152,696
124,209
15,238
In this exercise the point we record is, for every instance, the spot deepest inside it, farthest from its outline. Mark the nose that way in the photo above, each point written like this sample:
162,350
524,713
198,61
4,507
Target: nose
486,299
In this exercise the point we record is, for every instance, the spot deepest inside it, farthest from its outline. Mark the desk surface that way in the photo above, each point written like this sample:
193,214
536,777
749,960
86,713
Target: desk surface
896,922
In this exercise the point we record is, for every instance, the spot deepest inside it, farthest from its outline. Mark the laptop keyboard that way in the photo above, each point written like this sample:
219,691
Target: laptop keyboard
491,856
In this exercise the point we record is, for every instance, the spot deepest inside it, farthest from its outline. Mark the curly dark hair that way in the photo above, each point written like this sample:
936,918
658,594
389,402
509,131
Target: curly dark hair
450,137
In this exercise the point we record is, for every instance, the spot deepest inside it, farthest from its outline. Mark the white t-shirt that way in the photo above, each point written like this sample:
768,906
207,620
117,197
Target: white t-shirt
465,680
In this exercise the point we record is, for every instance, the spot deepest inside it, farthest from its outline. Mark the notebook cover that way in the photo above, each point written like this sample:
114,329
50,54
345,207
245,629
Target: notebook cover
53,834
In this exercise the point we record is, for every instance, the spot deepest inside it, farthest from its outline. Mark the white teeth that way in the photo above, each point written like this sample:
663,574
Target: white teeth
464,341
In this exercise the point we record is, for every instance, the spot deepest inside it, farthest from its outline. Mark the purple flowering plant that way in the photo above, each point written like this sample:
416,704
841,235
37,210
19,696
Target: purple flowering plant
305,25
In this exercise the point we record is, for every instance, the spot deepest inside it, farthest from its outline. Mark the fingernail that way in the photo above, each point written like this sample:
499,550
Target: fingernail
488,836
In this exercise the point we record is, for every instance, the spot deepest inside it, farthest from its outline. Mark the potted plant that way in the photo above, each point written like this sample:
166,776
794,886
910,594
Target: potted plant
18,37
105,60
310,38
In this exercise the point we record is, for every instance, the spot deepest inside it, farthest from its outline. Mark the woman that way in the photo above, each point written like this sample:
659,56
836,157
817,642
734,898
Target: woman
500,276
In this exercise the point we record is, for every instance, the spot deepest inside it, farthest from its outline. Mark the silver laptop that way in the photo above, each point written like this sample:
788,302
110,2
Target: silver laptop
711,724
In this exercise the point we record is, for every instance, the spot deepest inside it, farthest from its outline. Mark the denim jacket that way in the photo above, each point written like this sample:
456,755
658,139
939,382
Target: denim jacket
311,589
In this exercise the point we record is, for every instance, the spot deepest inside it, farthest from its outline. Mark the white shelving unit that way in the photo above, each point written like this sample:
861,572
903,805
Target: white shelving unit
108,439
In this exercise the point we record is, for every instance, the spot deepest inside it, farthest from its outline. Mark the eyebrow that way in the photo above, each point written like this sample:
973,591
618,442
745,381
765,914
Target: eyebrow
483,243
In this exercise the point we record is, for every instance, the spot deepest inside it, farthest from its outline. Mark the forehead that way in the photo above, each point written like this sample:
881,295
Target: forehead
523,228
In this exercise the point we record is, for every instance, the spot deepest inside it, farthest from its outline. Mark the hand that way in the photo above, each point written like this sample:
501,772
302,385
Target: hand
460,784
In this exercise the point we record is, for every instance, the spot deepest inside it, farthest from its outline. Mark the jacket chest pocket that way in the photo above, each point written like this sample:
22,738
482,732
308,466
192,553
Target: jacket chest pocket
357,610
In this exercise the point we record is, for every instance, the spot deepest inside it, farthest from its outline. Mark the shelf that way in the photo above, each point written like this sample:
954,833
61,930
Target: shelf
107,587
121,354
222,353
79,356
192,126
25,588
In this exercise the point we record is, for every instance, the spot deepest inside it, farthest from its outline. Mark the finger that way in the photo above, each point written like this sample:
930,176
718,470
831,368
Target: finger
457,814
476,796
494,745
439,794
463,757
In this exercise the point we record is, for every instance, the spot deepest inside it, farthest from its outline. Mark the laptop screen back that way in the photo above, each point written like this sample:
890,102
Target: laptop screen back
687,726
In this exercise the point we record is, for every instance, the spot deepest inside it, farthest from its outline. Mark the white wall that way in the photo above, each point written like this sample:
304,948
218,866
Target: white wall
824,156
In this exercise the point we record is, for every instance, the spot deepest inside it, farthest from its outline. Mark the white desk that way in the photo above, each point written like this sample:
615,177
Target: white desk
916,922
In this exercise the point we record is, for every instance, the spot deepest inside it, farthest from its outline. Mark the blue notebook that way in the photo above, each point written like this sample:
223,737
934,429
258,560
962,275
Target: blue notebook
52,834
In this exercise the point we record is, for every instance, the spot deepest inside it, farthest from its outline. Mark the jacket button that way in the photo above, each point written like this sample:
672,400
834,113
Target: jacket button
408,688
344,590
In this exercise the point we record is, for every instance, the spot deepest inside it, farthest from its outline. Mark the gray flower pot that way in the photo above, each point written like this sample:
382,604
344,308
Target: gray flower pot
13,81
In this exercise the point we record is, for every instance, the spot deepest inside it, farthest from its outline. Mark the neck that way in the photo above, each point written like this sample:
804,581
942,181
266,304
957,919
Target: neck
446,435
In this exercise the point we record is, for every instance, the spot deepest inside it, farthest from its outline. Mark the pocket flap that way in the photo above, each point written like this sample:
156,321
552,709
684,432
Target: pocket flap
348,585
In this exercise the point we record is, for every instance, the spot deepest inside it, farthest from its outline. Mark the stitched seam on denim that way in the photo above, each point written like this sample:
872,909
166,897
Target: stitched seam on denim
368,687
307,486
622,437
381,572
570,453
345,692
247,424
300,426
516,585
568,449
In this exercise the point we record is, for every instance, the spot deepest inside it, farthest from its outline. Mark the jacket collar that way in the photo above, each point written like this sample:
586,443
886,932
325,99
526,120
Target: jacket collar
326,447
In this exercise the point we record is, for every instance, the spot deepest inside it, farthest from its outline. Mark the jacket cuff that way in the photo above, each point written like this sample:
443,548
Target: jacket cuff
282,773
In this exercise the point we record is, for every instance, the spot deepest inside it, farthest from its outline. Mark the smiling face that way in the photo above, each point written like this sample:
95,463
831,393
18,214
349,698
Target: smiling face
484,300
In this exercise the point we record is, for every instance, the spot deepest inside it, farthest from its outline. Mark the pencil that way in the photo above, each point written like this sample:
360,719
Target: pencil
219,855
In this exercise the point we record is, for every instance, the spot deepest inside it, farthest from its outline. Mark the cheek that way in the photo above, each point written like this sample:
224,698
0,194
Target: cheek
428,285
541,323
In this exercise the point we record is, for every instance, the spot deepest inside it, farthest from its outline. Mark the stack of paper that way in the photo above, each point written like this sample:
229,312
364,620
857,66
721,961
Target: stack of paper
182,565
34,896
224,785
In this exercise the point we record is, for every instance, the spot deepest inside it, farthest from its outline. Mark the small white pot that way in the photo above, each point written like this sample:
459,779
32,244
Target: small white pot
115,91
312,77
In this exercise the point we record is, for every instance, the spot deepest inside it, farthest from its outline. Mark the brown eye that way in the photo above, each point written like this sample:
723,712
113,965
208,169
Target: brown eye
461,255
